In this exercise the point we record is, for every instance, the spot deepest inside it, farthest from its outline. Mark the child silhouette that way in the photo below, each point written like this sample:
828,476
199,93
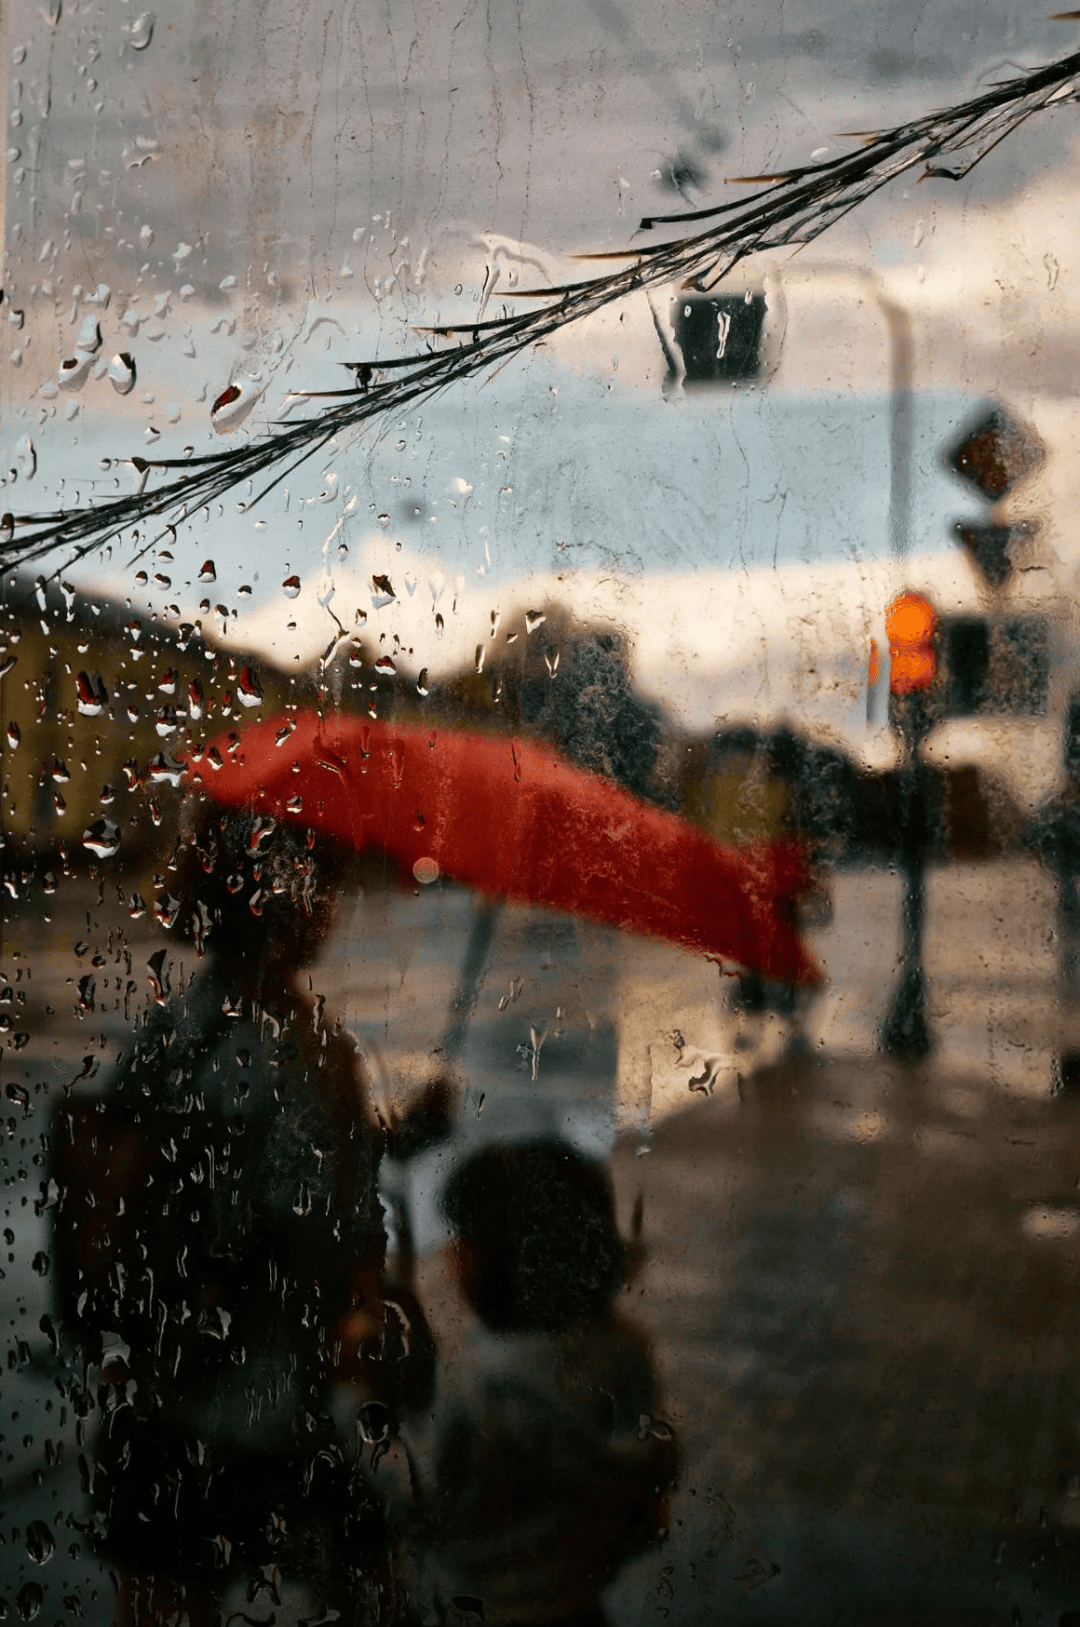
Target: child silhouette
535,1464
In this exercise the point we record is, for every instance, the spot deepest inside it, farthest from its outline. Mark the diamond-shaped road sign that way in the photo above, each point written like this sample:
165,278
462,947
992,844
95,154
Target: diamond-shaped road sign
995,454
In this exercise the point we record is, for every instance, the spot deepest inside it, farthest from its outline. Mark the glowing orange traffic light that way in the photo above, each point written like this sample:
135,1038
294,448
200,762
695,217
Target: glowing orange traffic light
911,622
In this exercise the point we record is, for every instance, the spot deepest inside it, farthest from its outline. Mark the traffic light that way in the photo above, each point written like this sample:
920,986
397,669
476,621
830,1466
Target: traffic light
911,622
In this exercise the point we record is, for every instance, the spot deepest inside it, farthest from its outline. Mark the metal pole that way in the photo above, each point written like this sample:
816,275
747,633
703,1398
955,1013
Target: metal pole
905,1033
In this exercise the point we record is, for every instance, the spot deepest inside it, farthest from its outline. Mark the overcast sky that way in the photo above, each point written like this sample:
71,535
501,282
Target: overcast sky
266,189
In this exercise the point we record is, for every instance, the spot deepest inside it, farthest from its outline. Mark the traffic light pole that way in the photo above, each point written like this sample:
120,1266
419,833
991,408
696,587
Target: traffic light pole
905,1033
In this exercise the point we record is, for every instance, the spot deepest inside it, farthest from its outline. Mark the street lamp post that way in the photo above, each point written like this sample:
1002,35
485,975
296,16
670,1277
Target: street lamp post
911,623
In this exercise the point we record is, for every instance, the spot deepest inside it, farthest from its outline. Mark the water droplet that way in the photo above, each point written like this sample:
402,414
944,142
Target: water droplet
208,571
40,1265
14,736
533,620
121,372
233,405
426,870
291,587
31,1597
374,1423
93,697
102,838
89,336
261,834
164,771
19,1095
74,372
141,31
385,667
422,682
248,688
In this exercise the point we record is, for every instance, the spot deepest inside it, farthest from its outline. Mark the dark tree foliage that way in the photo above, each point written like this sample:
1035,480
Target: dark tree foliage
570,685
595,716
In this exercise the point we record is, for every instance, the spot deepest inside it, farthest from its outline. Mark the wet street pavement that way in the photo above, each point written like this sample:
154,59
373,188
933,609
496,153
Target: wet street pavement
862,1284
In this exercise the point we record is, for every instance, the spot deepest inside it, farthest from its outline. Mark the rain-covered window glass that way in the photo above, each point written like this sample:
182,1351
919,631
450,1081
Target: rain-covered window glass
540,793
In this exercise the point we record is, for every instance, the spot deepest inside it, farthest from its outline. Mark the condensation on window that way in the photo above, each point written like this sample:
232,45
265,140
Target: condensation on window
539,763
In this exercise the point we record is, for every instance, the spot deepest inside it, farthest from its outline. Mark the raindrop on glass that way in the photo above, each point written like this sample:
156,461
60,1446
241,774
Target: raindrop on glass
31,1597
102,838
248,688
121,372
141,31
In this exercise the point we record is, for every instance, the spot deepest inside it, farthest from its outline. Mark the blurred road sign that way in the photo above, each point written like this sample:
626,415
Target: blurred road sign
719,336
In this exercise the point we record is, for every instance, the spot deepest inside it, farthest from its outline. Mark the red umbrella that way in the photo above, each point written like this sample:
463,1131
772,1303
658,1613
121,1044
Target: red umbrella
515,819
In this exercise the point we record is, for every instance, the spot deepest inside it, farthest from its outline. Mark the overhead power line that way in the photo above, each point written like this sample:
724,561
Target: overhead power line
785,209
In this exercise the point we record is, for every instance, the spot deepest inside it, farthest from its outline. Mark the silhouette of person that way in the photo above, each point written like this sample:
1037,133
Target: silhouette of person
241,1233
531,1464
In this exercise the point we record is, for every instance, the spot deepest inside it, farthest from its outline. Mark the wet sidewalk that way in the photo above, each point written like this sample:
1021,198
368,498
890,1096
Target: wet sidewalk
862,1283
863,1292
861,1286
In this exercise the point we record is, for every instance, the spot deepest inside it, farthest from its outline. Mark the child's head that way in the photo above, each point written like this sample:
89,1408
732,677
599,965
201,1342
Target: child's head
536,1241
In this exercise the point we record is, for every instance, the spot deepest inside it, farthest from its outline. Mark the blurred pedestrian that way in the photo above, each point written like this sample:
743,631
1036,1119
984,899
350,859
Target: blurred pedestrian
236,1231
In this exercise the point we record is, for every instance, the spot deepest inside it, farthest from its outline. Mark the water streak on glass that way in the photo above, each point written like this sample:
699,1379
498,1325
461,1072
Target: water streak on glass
540,794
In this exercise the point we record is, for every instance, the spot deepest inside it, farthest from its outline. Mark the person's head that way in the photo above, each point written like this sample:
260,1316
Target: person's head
246,884
536,1244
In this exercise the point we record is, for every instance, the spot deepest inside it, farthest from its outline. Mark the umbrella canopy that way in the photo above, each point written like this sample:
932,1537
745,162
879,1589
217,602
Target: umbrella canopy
515,819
